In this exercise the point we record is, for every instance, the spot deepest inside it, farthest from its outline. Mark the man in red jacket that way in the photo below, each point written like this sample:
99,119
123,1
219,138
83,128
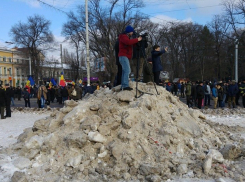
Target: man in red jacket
125,54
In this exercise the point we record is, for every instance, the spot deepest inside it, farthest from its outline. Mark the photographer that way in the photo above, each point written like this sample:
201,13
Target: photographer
139,52
156,61
125,54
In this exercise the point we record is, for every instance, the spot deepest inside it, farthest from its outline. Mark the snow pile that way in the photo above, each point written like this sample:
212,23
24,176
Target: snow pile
113,136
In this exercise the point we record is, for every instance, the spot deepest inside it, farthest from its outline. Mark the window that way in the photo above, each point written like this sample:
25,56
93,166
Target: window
17,72
0,70
18,60
10,60
5,71
4,59
10,71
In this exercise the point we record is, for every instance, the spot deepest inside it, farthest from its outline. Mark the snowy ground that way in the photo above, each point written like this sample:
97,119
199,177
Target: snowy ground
11,128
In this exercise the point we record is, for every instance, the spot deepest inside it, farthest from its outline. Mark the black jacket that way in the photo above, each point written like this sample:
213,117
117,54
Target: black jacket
200,92
2,97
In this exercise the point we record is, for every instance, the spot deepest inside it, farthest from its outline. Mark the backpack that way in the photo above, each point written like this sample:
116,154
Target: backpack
74,92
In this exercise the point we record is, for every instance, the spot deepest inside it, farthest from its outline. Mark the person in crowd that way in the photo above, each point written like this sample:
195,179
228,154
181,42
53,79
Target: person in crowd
188,94
59,95
8,100
26,96
125,54
182,90
64,94
215,95
42,95
207,92
225,91
194,94
232,91
238,94
12,95
242,92
32,91
52,94
47,101
200,94
19,92
2,101
156,62
175,88
35,91
72,93
220,95
179,88
169,87
79,92
147,71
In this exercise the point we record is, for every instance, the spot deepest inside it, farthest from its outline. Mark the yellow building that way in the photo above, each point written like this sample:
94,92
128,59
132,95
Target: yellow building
6,66
13,68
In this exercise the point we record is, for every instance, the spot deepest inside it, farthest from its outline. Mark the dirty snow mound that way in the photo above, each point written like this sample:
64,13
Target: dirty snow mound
113,136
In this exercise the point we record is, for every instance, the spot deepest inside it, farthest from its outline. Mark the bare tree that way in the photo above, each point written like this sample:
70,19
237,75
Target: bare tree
35,36
104,26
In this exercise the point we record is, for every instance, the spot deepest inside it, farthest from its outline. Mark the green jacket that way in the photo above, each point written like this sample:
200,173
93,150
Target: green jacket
188,89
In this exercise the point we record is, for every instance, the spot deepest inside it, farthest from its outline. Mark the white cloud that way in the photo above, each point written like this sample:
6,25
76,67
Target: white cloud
163,19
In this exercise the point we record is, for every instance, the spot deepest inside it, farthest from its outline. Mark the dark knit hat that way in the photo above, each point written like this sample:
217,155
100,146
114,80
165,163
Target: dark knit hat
129,29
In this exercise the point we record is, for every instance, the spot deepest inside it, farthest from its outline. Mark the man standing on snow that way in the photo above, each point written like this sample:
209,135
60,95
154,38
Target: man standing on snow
200,94
125,54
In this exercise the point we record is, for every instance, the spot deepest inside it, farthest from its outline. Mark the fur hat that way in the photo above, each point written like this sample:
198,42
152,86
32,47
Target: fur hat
129,29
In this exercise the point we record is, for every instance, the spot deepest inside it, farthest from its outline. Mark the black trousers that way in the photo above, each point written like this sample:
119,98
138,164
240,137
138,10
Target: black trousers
2,112
243,101
156,77
8,110
27,103
188,101
199,103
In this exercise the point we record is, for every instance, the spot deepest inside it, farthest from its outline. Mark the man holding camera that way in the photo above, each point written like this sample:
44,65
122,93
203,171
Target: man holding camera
125,54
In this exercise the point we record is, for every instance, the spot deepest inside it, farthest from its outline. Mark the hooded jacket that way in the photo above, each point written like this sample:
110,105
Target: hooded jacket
126,45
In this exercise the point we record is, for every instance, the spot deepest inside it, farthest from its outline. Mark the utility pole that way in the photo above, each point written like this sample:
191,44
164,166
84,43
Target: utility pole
87,44
30,65
61,59
236,60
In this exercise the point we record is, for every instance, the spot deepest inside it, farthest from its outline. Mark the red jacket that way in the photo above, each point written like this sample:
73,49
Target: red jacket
126,46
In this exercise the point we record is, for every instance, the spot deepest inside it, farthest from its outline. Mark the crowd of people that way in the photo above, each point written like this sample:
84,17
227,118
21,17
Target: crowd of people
45,95
198,94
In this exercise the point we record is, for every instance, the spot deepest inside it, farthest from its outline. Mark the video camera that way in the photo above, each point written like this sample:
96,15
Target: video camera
144,36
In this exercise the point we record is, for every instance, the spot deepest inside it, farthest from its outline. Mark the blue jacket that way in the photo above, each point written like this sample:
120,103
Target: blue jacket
214,92
156,61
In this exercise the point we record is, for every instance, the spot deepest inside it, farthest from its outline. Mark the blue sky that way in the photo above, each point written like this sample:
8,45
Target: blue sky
13,11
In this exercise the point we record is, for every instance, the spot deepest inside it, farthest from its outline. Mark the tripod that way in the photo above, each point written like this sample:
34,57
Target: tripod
137,73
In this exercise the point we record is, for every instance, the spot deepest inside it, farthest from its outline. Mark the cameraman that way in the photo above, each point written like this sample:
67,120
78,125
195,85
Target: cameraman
156,61
125,54
138,52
